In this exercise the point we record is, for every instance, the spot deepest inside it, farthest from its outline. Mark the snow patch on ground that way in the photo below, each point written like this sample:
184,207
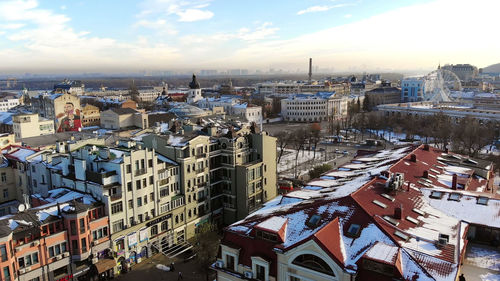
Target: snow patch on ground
484,258
490,277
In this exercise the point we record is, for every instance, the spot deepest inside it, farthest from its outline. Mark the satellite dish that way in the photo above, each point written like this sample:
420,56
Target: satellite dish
21,207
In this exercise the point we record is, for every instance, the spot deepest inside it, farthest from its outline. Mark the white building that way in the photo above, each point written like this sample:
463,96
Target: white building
8,101
194,93
313,107
232,106
31,125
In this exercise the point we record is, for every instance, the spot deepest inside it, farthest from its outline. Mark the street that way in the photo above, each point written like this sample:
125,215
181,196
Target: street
147,270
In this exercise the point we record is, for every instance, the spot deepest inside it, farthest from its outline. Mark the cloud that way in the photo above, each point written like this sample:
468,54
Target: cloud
47,41
184,10
63,7
11,25
396,39
314,9
348,16
191,15
264,31
160,25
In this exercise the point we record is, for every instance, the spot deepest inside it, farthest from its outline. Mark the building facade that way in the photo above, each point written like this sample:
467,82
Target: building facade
63,108
91,116
313,108
31,125
412,89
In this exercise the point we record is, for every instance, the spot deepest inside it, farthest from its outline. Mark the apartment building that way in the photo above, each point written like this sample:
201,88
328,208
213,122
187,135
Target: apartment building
118,118
228,175
63,108
8,101
139,189
60,240
27,125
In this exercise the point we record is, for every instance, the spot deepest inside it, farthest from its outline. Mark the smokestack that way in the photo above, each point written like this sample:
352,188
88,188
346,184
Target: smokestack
398,212
454,181
310,69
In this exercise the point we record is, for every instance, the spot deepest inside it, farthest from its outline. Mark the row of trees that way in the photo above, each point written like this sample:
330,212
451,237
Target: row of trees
466,135
299,140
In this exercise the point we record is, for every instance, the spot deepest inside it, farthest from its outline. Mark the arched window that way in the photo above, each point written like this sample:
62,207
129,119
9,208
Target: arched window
314,263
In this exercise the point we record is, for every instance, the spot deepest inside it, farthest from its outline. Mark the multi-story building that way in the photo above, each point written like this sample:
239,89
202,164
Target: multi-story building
232,106
383,95
27,125
456,111
91,116
233,174
402,214
140,191
412,89
118,118
63,108
72,87
314,108
266,89
8,101
463,71
61,240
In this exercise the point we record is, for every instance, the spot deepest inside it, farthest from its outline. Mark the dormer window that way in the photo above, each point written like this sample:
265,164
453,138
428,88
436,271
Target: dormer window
454,197
482,200
436,195
354,230
313,220
266,236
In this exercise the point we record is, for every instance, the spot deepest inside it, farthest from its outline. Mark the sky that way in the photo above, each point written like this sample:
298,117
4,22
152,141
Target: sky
158,35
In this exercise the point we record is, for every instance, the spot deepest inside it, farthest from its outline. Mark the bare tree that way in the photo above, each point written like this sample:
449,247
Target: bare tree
283,140
314,137
298,142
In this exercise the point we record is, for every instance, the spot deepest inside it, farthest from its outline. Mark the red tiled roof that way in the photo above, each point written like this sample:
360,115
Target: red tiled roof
330,239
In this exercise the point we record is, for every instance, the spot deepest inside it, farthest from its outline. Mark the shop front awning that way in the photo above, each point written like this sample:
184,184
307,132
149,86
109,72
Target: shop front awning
104,265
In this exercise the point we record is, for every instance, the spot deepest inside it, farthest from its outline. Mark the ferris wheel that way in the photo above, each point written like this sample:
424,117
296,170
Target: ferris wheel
439,84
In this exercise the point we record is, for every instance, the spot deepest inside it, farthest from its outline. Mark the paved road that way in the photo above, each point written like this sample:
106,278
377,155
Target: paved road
147,271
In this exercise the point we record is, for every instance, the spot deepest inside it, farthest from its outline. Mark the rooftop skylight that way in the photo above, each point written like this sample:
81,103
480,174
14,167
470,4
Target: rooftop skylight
380,204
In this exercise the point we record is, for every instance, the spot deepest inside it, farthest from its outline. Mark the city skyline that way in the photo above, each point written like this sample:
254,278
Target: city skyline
159,35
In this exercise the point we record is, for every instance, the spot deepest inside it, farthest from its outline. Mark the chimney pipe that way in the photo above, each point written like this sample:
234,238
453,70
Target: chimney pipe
426,147
454,181
398,212
310,70
413,158
426,174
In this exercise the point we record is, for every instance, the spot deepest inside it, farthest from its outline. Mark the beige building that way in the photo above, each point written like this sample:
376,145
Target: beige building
91,116
31,125
119,118
383,95
233,174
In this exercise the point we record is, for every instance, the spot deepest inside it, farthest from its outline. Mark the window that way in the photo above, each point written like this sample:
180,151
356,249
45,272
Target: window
116,207
260,272
3,252
454,197
6,273
436,195
72,225
164,226
482,200
84,245
74,245
150,163
145,199
139,201
4,177
144,182
293,278
151,180
138,184
129,186
313,221
314,263
82,226
354,229
152,197
118,226
154,230
230,262
130,203
129,169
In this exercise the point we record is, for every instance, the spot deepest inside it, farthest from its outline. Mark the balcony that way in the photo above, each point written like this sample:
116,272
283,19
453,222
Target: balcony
201,155
104,178
199,171
140,172
163,182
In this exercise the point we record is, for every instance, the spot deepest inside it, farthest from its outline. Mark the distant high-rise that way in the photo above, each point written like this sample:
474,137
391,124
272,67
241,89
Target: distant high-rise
310,70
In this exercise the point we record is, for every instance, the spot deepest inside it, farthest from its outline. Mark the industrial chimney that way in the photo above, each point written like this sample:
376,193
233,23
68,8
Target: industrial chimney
310,69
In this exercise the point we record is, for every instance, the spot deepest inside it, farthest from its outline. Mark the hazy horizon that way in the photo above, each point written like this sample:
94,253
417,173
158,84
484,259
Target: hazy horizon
408,36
